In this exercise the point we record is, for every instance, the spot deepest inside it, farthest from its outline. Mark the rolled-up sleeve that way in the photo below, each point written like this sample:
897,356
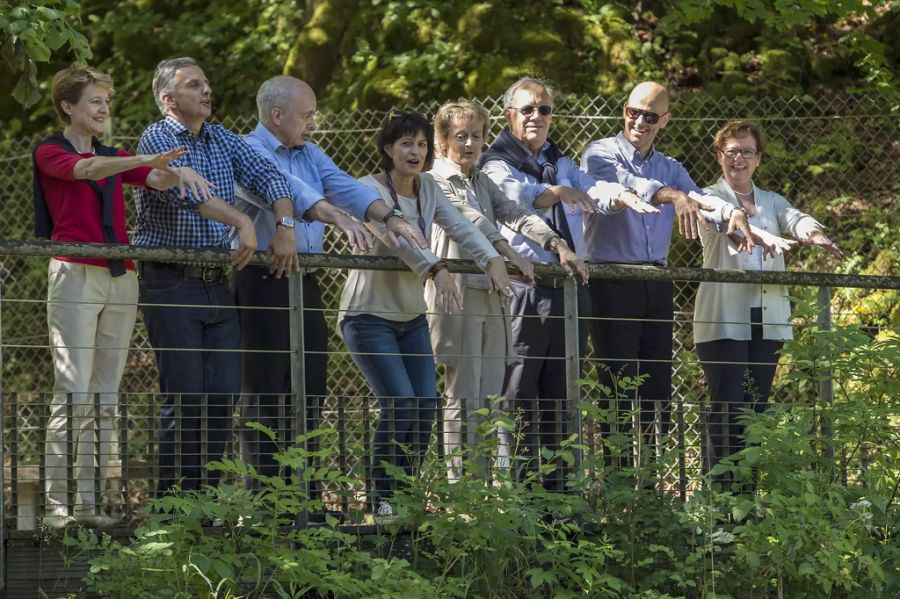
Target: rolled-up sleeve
256,173
341,189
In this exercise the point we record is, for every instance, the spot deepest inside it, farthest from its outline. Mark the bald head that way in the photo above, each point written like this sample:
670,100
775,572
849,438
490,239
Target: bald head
650,93
645,112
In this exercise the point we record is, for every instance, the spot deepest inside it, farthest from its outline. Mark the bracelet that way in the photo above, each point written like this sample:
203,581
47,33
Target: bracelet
437,266
740,209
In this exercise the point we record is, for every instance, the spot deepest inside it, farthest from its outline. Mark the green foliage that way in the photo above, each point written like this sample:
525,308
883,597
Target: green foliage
31,33
813,513
360,55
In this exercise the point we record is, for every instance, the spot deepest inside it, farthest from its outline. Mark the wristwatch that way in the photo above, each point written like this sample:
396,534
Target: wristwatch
553,245
286,221
392,214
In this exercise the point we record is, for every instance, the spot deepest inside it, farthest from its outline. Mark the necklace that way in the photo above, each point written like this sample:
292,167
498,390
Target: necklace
390,185
738,193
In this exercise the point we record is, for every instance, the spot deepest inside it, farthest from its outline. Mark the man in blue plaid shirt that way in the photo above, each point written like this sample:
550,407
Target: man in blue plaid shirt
190,306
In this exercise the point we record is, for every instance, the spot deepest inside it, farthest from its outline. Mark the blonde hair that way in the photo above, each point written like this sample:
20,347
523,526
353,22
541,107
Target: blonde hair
69,83
738,129
461,110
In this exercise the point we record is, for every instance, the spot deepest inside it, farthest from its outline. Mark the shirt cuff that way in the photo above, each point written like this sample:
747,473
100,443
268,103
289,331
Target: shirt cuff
536,189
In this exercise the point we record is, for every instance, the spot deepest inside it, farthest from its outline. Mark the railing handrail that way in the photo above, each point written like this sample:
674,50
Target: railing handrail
16,247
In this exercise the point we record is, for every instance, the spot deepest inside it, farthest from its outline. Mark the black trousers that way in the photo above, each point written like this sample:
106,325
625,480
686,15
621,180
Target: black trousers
184,312
632,335
739,375
266,375
535,386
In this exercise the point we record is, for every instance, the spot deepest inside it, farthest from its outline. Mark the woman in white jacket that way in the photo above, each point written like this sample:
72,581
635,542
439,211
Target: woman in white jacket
739,328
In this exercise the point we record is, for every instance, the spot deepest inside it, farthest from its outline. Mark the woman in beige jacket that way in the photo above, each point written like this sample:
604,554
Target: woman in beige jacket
475,344
382,316
739,328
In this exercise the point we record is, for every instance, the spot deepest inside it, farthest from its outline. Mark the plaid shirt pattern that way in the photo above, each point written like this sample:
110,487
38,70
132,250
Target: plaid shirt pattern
223,158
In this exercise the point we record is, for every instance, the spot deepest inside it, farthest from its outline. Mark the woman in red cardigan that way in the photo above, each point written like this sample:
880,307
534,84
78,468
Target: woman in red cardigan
91,303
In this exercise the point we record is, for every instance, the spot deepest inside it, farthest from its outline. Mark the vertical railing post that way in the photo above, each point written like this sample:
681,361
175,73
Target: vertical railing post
298,374
2,457
826,388
573,364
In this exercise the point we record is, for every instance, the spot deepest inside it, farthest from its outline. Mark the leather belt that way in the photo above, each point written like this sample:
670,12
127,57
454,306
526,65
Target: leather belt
548,283
207,274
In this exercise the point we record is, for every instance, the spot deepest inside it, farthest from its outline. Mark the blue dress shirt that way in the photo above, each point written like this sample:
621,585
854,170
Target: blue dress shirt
629,237
223,158
524,189
313,176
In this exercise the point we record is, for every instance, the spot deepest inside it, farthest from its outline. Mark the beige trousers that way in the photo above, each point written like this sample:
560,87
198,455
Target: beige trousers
479,374
90,316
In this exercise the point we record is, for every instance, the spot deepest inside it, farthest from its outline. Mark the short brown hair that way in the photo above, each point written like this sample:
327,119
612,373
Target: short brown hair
69,83
738,129
460,110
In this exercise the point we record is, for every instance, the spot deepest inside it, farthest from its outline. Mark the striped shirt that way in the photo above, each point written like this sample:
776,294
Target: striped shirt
223,158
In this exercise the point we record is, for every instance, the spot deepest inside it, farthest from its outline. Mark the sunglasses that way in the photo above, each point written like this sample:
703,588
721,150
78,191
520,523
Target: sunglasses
529,110
651,118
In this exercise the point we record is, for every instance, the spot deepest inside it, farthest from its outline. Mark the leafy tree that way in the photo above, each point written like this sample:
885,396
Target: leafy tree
359,55
31,33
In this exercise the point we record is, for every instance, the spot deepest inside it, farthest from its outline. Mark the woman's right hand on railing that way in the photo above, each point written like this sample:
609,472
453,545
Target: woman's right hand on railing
446,294
496,272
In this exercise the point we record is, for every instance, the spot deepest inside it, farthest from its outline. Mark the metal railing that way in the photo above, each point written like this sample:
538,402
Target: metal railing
348,410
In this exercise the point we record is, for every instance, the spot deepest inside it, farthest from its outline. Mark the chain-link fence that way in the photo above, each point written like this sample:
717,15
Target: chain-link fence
822,149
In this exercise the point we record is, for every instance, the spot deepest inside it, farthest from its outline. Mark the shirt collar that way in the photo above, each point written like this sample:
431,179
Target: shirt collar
269,140
629,150
446,168
178,127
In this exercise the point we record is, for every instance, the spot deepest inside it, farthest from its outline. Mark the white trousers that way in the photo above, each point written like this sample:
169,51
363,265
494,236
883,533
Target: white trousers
90,316
479,374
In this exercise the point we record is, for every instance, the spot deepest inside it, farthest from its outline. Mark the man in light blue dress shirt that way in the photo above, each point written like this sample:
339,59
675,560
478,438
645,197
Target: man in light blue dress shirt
322,193
529,169
632,329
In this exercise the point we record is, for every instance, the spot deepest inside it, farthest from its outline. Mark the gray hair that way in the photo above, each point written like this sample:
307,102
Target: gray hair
525,82
273,93
164,78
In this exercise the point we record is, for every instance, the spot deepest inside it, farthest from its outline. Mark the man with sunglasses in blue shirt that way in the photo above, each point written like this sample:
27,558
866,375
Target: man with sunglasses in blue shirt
632,326
530,169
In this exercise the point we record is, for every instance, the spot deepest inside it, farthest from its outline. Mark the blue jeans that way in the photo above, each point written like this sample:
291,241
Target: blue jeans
198,385
396,359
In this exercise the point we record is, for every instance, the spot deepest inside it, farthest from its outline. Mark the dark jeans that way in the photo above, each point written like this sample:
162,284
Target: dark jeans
632,335
396,359
266,365
198,385
536,384
739,375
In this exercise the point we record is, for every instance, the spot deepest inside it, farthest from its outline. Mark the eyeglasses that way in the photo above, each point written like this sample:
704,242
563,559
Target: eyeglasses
529,110
747,153
651,118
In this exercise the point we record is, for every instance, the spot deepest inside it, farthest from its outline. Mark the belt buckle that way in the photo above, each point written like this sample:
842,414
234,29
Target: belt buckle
209,274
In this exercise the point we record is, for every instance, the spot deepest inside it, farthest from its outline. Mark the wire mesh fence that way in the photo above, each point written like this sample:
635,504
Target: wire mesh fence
822,148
